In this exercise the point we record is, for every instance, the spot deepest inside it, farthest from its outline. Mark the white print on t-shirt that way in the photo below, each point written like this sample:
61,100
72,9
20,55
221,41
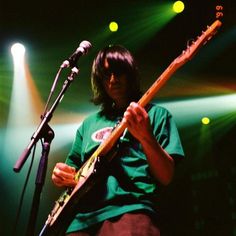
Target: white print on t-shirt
102,134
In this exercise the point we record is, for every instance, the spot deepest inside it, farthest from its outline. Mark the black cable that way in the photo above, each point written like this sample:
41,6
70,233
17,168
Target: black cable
14,232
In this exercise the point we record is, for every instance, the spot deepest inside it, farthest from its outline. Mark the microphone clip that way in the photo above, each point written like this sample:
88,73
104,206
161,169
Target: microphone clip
80,51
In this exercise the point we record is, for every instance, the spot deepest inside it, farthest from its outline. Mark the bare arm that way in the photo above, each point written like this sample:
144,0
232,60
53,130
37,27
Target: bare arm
160,162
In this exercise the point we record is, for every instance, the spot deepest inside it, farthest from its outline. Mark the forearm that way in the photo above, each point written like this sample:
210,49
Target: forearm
160,162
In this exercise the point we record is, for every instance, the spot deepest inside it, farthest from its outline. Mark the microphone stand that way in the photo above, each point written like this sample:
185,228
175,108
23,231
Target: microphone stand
48,136
43,131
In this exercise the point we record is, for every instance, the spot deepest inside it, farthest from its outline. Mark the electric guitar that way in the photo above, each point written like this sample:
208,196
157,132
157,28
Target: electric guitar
68,203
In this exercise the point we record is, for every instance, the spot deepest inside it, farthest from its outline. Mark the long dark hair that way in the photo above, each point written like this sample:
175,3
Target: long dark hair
120,60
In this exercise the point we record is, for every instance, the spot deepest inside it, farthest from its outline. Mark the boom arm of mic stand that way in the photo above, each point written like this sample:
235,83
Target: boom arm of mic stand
43,127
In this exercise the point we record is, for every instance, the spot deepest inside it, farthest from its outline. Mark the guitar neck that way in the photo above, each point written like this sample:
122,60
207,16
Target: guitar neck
158,84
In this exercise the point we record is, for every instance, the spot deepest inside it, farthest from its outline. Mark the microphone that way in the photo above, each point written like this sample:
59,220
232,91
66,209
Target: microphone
80,51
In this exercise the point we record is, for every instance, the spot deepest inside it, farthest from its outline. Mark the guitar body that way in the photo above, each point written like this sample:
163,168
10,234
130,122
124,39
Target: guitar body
89,174
70,201
68,211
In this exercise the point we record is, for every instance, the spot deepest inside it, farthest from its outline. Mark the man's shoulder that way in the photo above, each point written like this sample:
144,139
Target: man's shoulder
93,116
156,108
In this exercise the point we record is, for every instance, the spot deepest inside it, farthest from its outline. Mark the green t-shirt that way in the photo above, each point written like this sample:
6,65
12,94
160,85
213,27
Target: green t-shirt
128,185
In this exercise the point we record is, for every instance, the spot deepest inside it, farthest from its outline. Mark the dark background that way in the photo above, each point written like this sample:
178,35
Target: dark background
202,198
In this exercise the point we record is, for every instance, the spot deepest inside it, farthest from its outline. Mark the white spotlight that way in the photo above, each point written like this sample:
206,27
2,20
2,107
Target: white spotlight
18,51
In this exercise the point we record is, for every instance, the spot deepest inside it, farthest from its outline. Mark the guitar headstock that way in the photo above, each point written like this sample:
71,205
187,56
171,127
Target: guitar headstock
190,51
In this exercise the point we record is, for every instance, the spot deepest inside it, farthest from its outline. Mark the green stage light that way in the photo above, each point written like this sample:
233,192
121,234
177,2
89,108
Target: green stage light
178,7
142,22
205,120
220,108
113,26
